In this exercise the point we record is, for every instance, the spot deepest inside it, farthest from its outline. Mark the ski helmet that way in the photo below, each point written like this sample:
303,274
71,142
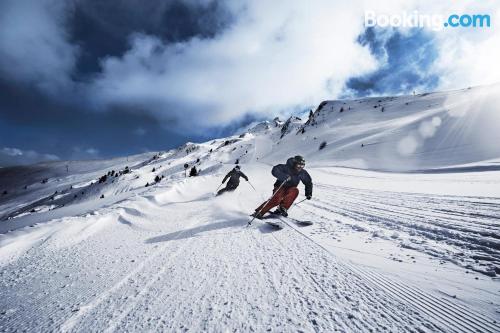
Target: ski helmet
237,167
299,160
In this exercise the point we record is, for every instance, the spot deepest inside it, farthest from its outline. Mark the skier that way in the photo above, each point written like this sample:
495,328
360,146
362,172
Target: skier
285,188
234,180
193,172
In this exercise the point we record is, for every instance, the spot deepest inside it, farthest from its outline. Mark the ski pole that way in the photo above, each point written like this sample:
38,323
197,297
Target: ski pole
251,185
217,190
297,203
272,196
301,201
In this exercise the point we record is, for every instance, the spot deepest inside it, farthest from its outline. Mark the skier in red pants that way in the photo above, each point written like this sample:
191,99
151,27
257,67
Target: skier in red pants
285,188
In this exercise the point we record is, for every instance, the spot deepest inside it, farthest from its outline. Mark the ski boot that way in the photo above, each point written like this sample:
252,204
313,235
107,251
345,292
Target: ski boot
281,211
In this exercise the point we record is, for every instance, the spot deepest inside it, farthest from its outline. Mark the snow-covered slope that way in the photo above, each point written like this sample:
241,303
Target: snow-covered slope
406,212
425,131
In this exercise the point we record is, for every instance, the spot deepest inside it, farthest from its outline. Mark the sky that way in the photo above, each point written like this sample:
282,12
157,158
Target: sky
87,79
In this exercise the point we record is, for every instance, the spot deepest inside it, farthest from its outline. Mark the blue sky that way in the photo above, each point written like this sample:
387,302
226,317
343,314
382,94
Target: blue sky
91,79
408,61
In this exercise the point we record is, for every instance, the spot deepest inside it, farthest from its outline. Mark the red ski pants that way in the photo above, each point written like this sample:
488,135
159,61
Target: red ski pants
284,197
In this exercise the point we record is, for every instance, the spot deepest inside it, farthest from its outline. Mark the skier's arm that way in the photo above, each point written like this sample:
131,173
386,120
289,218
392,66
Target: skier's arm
243,175
226,177
280,171
307,180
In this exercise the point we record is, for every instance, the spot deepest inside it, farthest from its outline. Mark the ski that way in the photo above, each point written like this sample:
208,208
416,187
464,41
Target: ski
303,223
274,221
287,220
279,221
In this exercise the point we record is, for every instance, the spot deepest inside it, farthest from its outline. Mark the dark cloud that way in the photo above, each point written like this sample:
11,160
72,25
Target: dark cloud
103,28
406,60
30,120
34,47
49,51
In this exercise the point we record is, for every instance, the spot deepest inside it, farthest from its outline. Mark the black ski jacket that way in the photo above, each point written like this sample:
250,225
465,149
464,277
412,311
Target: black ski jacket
283,171
193,172
234,178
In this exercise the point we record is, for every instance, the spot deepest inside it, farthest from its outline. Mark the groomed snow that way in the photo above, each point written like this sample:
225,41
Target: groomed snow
405,234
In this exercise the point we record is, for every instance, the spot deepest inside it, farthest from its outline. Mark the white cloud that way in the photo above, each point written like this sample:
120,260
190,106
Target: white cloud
278,55
81,153
15,156
139,131
12,151
92,151
469,58
466,56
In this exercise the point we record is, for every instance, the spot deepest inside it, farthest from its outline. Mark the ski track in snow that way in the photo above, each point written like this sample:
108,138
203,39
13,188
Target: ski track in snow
467,224
211,274
452,316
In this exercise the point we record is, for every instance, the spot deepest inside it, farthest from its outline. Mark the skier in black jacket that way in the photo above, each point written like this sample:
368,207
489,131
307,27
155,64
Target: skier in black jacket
288,177
193,172
234,180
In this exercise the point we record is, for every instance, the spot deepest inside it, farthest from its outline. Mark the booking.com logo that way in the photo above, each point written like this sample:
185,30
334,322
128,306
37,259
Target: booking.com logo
432,21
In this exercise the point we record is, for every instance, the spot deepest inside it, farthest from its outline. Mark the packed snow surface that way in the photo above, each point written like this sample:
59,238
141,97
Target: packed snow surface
405,232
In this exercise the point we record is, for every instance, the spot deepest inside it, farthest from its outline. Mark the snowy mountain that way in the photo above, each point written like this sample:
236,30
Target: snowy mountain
405,234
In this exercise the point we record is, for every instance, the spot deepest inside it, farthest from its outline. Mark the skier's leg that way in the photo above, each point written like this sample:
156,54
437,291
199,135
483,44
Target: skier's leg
264,208
231,188
222,190
262,204
289,197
